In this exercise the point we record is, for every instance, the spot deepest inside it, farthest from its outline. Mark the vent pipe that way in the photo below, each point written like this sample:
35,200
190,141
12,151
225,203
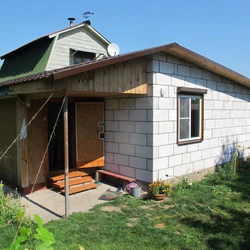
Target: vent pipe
71,21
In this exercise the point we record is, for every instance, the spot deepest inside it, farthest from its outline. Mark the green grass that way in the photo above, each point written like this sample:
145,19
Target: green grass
212,214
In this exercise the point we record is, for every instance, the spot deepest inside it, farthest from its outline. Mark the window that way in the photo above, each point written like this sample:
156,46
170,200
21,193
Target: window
190,115
81,56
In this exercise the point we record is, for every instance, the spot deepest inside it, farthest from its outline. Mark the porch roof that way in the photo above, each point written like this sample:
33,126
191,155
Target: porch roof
172,49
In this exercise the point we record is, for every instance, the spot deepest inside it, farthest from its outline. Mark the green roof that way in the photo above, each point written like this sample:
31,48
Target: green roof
32,60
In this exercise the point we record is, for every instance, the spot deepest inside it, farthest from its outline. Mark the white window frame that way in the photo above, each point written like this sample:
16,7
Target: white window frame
189,138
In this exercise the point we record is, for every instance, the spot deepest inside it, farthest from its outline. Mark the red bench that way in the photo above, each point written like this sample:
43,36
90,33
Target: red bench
100,172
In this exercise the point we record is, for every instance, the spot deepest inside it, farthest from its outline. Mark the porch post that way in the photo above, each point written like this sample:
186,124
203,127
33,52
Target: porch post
66,156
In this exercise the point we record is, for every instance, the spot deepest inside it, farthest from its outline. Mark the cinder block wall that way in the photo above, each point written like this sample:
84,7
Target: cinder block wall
129,131
141,133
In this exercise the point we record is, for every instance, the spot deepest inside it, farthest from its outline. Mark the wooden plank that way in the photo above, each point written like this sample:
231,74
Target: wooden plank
37,142
88,145
93,164
22,150
72,182
9,163
105,79
122,177
142,89
81,188
71,175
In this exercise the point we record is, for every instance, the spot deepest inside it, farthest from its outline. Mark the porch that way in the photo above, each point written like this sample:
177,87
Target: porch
49,205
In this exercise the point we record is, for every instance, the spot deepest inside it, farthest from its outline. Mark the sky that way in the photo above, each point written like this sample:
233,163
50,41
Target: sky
217,29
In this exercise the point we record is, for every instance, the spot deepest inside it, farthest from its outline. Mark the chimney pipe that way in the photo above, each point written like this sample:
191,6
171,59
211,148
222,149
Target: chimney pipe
71,21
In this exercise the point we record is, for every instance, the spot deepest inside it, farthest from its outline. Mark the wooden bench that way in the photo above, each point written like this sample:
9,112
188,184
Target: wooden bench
100,172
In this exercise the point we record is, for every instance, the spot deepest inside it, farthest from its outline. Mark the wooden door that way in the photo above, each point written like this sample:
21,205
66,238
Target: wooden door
89,133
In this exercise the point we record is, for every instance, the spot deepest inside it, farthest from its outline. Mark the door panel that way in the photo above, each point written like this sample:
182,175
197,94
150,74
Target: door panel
89,124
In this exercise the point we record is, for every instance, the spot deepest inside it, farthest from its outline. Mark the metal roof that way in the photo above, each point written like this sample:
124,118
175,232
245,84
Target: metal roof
54,34
172,49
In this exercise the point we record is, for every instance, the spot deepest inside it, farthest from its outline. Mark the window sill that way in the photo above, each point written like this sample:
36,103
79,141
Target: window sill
189,142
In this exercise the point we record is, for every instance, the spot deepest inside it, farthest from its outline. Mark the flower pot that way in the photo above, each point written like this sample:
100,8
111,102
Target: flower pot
158,197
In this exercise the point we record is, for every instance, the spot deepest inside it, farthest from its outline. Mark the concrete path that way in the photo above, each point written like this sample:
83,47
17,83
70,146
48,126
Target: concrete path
50,205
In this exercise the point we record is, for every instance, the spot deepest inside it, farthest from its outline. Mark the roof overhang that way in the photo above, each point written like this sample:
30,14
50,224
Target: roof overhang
172,49
86,24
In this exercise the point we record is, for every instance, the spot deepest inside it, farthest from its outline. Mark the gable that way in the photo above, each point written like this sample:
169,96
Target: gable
32,60
80,39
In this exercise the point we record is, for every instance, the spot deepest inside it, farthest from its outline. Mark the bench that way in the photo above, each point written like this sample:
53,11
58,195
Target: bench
100,172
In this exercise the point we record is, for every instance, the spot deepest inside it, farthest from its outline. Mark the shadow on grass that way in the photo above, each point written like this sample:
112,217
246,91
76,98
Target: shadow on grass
226,223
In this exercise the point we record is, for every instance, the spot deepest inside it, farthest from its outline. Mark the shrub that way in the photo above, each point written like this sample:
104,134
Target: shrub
11,210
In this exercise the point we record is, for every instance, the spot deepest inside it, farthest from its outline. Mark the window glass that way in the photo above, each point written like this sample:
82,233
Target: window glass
184,107
184,128
189,117
195,117
81,56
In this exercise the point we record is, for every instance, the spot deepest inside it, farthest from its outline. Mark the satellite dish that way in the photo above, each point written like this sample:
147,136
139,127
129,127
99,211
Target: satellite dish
113,49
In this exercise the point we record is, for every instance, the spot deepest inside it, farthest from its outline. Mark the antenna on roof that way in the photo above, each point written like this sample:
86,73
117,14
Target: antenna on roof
87,14
71,21
113,49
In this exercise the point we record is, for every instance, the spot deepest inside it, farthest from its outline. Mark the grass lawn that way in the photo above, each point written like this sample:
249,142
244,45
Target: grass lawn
212,214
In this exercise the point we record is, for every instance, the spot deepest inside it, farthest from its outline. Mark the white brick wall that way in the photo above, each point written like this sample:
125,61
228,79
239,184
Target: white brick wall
141,132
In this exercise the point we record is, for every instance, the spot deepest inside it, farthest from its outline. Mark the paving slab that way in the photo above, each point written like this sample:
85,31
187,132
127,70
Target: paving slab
50,205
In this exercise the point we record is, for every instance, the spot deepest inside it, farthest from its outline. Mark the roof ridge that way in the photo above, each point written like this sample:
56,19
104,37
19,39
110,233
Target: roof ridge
49,36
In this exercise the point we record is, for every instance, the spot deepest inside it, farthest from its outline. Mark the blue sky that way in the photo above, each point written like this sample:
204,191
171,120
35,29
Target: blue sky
217,29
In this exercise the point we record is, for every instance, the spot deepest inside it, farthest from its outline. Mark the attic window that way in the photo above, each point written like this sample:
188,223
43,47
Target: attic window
81,56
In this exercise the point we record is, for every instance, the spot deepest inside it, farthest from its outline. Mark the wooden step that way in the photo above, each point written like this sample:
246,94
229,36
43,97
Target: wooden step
81,188
73,174
72,182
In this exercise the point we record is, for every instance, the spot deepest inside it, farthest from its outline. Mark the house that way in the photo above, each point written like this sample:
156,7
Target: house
160,111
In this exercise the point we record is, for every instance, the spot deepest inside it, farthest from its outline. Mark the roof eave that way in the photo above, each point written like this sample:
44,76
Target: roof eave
94,31
109,61
203,62
66,30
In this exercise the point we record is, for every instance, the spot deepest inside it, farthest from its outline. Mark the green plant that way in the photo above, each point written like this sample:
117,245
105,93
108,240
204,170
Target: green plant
221,189
11,210
27,237
160,187
236,157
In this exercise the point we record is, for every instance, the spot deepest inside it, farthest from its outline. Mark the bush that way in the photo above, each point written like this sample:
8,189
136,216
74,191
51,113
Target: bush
11,210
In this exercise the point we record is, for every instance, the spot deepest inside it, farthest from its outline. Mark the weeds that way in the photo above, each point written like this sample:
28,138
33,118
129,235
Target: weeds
39,239
11,211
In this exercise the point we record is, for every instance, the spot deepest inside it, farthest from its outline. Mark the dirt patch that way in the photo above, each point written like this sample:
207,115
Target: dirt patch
160,225
130,225
134,219
146,207
111,209
168,206
93,228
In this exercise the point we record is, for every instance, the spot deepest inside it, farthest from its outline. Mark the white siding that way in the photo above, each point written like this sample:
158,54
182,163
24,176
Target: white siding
77,39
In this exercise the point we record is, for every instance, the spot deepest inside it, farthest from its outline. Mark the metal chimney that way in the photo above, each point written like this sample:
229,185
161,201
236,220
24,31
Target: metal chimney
71,21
